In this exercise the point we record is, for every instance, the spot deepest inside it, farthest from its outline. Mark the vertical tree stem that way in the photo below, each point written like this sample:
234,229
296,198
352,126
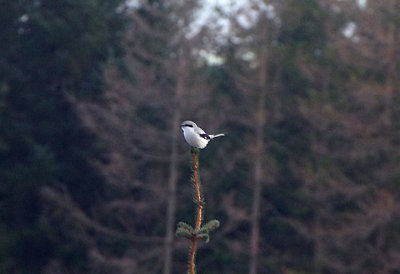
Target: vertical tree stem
199,217
173,171
199,202
192,255
260,122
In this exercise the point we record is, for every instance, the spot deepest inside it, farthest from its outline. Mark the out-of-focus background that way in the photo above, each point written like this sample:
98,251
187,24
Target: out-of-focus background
94,170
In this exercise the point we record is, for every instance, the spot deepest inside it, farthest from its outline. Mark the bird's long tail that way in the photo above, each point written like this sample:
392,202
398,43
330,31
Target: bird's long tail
216,135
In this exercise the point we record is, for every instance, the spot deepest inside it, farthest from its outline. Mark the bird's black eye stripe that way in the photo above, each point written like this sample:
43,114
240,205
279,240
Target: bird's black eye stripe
187,125
205,136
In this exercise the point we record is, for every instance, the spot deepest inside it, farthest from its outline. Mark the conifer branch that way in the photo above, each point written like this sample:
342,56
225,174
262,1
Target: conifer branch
199,210
196,182
199,232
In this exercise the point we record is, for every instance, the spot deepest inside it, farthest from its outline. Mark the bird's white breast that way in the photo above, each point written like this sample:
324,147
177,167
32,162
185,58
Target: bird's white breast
193,139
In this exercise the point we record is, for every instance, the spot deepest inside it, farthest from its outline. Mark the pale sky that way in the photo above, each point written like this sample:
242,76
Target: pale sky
246,13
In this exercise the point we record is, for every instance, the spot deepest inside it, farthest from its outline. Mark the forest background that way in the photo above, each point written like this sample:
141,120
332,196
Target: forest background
94,171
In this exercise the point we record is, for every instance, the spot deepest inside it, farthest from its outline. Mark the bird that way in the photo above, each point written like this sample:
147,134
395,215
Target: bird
195,136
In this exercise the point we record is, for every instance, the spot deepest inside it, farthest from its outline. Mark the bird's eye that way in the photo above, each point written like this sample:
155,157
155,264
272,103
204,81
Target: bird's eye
187,125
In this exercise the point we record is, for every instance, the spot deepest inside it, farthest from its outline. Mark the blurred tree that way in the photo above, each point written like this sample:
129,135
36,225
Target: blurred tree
340,171
307,178
144,113
317,136
50,51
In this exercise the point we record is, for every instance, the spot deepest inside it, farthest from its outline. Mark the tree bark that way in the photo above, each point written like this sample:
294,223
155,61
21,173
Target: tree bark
258,165
199,210
173,171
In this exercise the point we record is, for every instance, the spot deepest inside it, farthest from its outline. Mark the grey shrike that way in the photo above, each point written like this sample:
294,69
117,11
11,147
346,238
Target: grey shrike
195,136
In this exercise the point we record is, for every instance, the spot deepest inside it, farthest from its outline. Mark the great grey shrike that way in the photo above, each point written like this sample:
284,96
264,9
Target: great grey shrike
195,136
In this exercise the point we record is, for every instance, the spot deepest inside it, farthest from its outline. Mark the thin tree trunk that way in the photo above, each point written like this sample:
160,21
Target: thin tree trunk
199,210
393,74
173,172
258,165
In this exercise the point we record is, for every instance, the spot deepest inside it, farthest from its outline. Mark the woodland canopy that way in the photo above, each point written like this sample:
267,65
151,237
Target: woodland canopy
94,170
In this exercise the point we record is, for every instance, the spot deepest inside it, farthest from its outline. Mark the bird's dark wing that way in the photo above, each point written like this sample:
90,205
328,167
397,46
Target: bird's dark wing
205,136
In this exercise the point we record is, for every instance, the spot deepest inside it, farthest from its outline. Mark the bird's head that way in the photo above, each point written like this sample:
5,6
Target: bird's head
187,124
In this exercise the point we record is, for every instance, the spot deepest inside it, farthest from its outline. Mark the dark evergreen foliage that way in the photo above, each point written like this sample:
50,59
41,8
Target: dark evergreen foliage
328,150
50,51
